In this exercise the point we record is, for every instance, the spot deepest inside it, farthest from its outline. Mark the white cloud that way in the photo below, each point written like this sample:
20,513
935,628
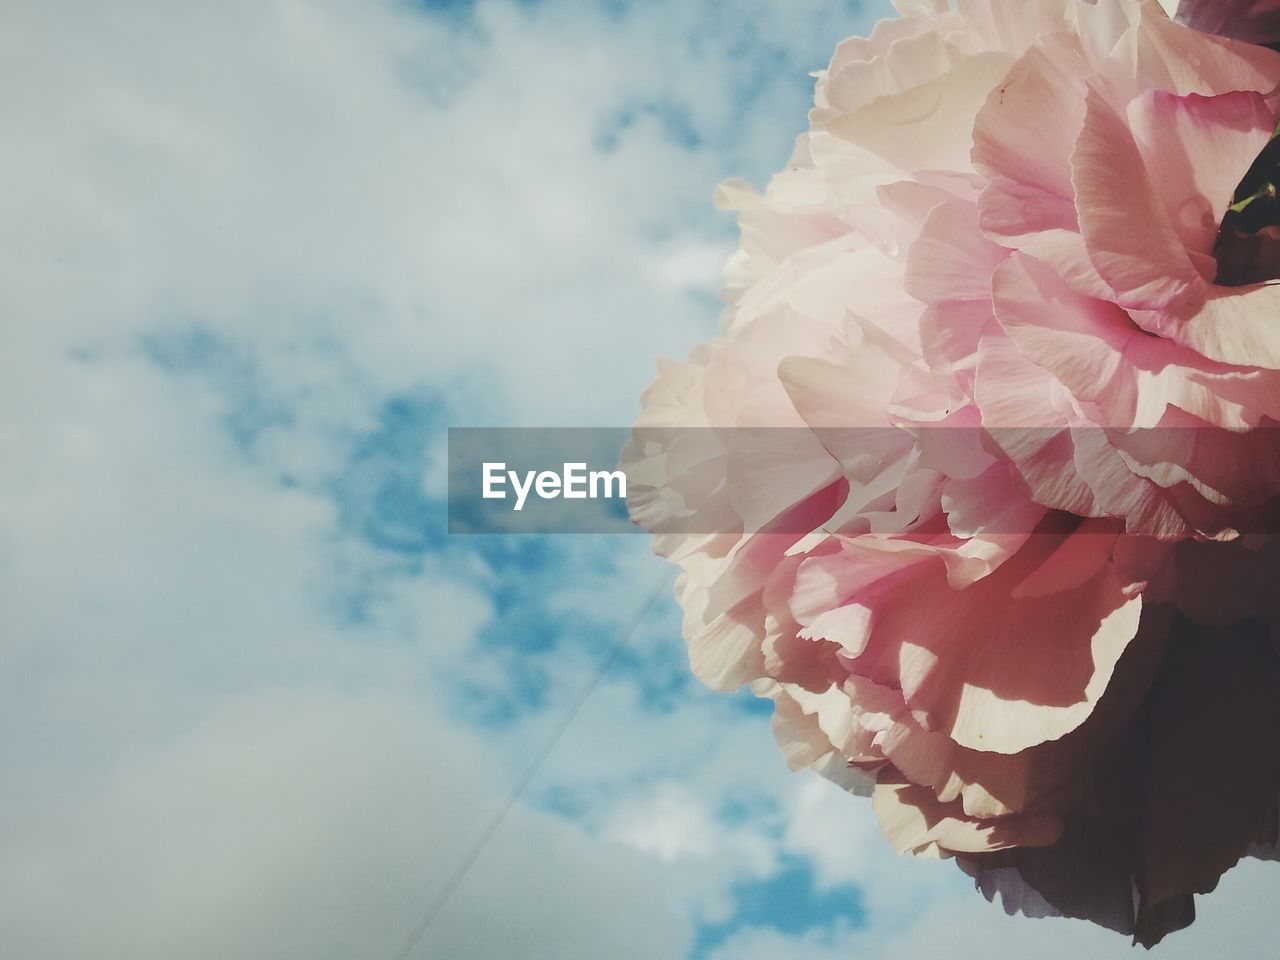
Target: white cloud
354,201
313,824
285,172
839,835
204,756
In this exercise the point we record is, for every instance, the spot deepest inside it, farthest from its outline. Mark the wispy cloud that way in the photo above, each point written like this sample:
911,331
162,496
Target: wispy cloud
258,703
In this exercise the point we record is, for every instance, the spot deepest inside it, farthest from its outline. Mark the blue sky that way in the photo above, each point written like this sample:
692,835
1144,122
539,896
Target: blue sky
258,703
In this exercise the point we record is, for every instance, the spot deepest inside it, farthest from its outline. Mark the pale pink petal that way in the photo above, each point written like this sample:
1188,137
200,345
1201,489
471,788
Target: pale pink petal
914,821
1197,149
1234,325
1127,231
927,127
1126,377
951,260
1023,138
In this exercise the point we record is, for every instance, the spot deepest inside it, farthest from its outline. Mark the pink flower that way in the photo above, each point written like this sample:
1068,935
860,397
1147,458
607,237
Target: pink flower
962,484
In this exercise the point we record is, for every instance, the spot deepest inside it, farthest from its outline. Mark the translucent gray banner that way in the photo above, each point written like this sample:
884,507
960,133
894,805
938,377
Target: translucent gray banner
1169,481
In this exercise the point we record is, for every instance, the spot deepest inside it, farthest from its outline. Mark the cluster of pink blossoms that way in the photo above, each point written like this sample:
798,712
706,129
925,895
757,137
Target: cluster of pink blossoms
1028,604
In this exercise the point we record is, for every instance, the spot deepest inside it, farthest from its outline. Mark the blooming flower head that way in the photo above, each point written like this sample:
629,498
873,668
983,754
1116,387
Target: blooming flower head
974,483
